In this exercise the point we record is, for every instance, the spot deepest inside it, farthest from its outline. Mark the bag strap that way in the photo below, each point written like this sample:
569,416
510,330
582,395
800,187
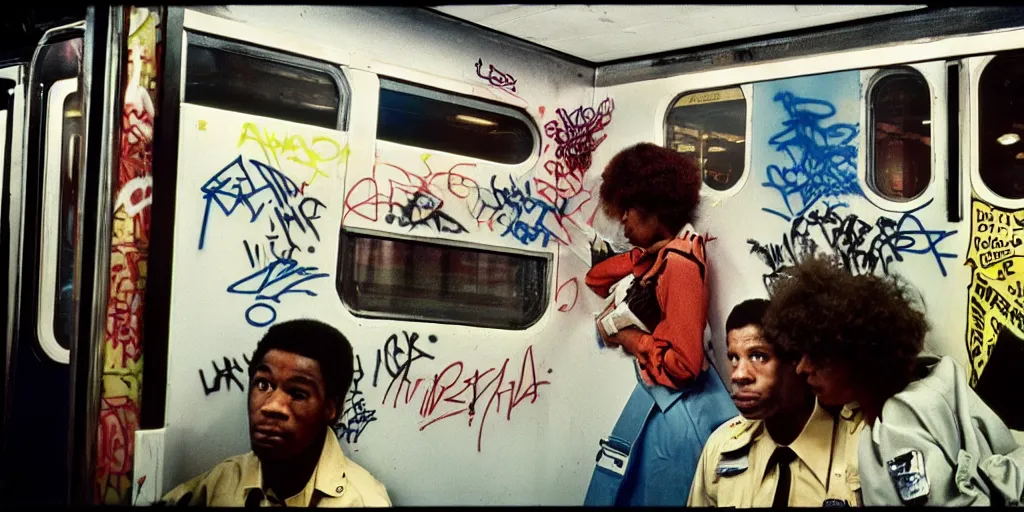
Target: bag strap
659,266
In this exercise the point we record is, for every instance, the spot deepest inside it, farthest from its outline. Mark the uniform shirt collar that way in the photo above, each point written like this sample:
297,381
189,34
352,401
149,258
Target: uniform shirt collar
814,444
329,476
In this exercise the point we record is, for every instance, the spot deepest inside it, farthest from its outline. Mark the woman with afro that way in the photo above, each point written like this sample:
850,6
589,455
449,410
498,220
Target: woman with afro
658,316
928,437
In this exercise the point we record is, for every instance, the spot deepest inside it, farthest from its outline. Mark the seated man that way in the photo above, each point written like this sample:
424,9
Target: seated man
298,379
784,450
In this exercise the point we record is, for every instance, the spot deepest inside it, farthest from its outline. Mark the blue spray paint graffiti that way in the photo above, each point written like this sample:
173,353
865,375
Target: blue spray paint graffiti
823,158
291,215
281,277
862,247
821,169
526,218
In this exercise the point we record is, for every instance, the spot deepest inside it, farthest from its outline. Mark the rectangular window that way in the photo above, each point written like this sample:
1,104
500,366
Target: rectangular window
711,127
429,119
441,283
234,77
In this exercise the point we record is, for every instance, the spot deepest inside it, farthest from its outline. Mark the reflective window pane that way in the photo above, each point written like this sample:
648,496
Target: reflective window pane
711,127
429,119
1001,125
901,115
227,80
441,283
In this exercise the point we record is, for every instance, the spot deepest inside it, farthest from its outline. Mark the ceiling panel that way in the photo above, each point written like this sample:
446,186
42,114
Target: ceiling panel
601,33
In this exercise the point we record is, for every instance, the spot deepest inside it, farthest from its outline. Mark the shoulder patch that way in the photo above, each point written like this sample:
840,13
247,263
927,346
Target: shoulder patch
732,464
908,475
739,434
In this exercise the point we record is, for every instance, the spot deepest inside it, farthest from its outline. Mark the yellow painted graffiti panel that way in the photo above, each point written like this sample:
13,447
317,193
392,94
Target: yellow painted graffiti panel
996,294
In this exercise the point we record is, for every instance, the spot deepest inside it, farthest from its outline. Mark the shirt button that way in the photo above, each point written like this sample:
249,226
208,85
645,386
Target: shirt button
340,489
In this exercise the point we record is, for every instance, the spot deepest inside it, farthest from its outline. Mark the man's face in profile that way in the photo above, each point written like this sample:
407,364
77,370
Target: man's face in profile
288,407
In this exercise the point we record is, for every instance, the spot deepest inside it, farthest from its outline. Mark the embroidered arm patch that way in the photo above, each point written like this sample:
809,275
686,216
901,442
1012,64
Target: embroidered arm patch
908,475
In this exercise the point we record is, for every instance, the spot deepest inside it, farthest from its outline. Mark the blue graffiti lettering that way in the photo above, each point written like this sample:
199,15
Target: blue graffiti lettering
289,213
823,160
525,217
235,187
280,278
862,247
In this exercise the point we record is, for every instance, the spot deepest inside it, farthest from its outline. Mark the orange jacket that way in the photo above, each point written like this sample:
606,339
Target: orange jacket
673,354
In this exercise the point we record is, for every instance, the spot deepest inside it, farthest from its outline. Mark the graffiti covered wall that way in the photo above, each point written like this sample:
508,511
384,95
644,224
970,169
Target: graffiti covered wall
132,185
805,138
995,302
430,193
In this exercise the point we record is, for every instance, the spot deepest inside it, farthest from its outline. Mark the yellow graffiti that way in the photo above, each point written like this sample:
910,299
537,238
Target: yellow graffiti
996,295
314,155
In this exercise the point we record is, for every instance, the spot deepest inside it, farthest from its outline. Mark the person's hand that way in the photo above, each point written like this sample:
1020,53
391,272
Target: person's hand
628,338
608,340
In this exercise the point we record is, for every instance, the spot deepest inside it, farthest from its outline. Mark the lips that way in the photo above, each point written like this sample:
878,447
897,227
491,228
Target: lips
268,436
745,400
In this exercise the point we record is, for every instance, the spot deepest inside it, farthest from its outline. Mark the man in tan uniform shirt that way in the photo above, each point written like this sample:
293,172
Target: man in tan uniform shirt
782,436
299,377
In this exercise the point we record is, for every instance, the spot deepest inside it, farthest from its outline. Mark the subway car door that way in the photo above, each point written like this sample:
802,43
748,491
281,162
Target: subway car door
12,108
37,413
52,253
993,125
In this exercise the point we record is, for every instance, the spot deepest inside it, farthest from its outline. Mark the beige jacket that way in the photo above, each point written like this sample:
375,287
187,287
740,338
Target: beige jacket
336,482
937,443
733,468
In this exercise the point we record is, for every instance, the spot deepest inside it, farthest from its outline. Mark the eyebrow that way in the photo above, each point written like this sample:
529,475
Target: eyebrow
302,379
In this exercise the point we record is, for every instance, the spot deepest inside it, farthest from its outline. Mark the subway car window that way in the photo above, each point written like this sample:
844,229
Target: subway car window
901,160
430,119
441,283
70,164
229,80
1001,125
6,121
711,127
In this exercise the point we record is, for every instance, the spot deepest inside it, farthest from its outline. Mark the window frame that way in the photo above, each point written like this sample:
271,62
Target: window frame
345,245
747,91
246,49
869,177
976,67
391,83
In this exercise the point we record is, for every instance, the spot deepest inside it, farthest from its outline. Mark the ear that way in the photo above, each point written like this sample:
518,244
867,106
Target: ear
331,411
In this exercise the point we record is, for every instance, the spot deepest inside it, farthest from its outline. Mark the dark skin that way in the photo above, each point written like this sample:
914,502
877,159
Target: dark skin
289,412
834,385
764,387
646,231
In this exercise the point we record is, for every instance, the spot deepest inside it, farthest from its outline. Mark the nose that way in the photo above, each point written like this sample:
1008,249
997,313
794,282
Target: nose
276,405
804,367
741,373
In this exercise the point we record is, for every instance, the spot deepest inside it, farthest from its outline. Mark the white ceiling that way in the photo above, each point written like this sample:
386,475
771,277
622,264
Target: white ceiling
601,33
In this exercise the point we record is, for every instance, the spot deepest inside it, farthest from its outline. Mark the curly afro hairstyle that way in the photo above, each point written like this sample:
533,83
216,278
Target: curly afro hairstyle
868,323
652,179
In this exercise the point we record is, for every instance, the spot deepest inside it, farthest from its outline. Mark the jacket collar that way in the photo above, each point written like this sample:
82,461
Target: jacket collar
329,476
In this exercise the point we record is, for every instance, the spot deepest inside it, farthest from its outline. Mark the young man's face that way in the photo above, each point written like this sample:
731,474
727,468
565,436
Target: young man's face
762,383
288,407
831,383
